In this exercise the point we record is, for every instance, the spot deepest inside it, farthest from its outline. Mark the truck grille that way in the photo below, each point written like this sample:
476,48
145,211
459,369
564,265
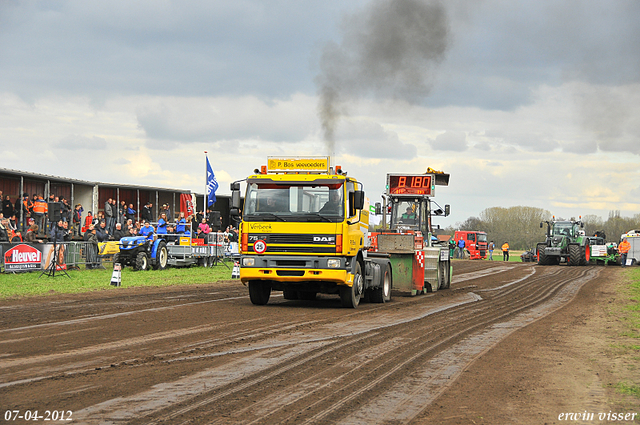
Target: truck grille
295,243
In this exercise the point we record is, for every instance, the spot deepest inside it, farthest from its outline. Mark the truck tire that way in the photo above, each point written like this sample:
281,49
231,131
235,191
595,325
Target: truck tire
444,277
575,255
350,295
142,261
383,293
543,259
259,292
162,256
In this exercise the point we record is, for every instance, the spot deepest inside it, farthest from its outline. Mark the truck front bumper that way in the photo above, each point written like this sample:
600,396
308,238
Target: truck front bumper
289,269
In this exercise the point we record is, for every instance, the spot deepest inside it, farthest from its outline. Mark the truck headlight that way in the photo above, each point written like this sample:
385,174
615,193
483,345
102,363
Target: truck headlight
248,262
333,263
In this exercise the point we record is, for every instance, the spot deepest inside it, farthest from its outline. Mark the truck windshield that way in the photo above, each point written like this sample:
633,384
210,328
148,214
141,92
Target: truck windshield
482,237
406,214
294,201
562,229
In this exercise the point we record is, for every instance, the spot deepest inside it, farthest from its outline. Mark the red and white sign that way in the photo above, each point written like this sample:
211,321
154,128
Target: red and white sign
260,246
22,258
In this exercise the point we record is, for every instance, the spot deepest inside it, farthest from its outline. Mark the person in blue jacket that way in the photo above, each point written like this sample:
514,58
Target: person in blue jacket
146,230
162,224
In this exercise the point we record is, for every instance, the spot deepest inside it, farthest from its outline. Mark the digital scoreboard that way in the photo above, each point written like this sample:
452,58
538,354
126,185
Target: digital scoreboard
410,184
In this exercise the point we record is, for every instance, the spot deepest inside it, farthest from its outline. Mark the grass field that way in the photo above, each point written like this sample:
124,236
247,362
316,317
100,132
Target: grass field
35,284
629,350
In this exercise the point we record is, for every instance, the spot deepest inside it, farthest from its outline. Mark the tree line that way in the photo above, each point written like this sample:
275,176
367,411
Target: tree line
520,226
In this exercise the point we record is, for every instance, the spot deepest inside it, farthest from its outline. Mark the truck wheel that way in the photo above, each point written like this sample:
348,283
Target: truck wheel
162,256
575,254
350,296
142,261
259,292
444,279
383,293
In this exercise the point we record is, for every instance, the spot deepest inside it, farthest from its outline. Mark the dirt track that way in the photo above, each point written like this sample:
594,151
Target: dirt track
207,355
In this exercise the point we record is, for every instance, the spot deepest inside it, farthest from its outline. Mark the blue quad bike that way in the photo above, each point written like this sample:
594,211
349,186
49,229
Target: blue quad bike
142,252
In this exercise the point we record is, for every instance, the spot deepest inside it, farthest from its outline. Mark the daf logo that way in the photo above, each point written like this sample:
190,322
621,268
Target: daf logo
324,239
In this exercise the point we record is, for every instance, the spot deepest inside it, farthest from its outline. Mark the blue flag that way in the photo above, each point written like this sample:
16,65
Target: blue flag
212,185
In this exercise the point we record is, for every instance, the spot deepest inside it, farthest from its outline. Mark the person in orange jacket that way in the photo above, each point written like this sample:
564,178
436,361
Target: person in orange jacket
623,249
505,251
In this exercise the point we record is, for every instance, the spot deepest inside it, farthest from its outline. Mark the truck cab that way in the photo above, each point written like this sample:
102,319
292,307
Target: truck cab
302,232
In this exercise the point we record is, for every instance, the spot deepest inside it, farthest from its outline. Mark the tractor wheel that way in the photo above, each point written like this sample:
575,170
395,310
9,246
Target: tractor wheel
444,276
575,255
162,255
350,296
142,261
586,254
383,294
116,258
543,259
259,292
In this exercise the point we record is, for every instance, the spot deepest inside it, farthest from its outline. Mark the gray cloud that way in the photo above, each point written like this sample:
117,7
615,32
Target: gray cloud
450,141
371,140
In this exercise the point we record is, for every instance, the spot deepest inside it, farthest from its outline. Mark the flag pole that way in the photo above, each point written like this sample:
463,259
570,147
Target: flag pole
205,198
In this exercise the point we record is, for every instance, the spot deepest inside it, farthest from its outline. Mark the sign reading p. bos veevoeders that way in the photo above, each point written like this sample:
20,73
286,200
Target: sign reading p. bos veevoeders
22,258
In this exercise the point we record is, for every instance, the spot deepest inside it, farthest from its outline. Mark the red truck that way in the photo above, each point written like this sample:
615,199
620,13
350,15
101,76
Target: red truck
475,242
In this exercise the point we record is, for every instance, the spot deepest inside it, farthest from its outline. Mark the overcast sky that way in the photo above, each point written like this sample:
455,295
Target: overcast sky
533,103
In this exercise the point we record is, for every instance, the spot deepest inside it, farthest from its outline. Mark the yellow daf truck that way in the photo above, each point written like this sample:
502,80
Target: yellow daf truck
303,231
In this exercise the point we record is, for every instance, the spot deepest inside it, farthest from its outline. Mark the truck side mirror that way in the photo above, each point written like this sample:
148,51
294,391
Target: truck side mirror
235,195
378,208
358,199
447,210
541,225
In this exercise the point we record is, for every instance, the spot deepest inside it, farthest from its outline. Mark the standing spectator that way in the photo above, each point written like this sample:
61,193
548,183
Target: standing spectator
146,214
7,207
39,211
65,210
461,248
122,213
109,214
623,249
131,213
88,221
167,212
492,246
505,251
77,219
22,208
93,260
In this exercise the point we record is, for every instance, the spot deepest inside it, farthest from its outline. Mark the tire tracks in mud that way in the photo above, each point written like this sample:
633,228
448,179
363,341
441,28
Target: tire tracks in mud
321,392
379,363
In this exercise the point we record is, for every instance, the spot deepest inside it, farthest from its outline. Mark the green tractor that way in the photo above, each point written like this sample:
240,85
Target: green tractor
565,241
